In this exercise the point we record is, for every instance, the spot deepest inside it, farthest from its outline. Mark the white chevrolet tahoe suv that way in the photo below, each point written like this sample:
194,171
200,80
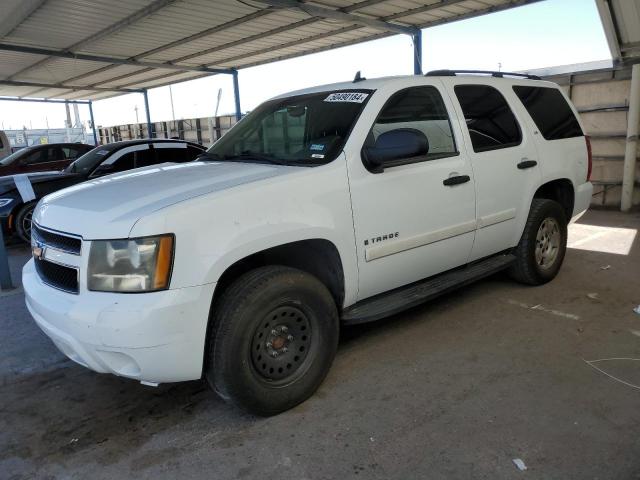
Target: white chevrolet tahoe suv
332,205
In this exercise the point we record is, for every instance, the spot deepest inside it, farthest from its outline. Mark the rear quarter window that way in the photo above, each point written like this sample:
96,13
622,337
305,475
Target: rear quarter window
550,112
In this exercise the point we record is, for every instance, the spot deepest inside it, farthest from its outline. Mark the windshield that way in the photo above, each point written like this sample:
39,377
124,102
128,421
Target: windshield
87,162
14,156
302,130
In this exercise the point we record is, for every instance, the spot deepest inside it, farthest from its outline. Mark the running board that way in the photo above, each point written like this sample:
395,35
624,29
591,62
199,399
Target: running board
402,298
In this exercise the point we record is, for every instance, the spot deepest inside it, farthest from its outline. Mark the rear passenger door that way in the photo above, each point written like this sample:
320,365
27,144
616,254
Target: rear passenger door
504,161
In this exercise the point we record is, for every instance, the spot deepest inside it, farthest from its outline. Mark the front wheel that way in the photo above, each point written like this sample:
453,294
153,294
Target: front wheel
273,339
23,221
541,250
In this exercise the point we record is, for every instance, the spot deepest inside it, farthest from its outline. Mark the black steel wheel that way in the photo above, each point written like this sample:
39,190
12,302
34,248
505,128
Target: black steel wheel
281,344
273,338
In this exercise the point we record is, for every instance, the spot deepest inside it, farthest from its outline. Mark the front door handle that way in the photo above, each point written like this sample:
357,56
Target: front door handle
456,180
524,164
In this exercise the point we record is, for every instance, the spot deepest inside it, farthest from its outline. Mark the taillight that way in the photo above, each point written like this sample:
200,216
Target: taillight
589,158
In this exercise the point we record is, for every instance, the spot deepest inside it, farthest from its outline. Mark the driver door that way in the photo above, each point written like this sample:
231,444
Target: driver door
414,217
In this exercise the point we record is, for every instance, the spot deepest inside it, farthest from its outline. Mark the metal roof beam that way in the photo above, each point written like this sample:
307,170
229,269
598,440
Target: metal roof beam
105,32
325,12
19,14
610,31
424,9
111,60
209,31
13,83
42,100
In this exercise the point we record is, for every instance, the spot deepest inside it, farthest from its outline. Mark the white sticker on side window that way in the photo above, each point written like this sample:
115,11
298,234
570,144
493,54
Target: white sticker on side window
353,97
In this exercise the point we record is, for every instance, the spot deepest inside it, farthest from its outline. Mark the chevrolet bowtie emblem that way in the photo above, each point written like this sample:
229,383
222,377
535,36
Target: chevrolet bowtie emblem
38,252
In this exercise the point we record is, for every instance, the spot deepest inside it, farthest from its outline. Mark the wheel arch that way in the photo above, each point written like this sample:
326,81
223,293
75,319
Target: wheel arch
560,190
316,256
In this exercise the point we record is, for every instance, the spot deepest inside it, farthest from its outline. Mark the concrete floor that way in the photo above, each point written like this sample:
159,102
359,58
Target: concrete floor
457,388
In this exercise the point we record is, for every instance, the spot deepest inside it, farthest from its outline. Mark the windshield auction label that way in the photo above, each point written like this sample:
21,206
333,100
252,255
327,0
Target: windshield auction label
352,97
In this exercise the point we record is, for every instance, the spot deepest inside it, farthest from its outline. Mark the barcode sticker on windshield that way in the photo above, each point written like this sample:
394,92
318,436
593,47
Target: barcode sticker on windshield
353,97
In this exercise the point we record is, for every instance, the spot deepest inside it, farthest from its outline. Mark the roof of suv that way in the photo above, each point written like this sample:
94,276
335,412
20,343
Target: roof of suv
376,83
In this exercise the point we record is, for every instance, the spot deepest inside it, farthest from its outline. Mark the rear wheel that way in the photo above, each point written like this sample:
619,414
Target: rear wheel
541,250
23,222
274,337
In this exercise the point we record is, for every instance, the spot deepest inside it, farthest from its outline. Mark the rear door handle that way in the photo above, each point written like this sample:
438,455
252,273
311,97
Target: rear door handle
456,180
524,164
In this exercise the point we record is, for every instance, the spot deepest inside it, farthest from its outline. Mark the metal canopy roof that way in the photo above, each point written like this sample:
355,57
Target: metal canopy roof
621,22
92,49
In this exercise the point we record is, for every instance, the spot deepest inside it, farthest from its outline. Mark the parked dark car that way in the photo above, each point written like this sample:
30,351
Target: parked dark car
20,193
42,158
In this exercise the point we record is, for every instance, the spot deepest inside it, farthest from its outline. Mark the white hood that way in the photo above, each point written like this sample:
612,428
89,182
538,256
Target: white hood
109,206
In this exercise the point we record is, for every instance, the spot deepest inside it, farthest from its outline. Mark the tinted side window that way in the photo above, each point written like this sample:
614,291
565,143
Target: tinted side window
54,154
550,112
125,162
71,152
489,118
38,156
422,109
170,155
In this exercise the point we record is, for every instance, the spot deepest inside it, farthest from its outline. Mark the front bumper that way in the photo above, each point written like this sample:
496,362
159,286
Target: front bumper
152,337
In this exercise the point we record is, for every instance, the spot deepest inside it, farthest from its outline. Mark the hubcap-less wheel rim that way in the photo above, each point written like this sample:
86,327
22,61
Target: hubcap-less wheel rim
281,344
547,243
26,223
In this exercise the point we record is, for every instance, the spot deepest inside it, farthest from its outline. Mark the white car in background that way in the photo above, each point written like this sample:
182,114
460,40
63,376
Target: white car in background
336,204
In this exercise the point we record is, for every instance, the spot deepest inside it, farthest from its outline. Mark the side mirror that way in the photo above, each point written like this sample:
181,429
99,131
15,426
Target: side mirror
103,170
395,145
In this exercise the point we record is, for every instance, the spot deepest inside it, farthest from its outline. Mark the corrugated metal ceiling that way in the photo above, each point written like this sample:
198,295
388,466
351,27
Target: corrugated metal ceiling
188,33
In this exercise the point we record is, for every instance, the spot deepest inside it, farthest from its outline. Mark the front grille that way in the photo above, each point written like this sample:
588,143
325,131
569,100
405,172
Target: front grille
56,240
58,276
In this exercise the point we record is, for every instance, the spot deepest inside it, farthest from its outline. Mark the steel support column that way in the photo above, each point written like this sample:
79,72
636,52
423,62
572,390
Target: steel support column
417,52
236,94
93,123
147,112
633,118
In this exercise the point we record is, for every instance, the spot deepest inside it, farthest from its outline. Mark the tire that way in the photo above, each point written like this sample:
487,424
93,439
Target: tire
23,222
541,250
269,310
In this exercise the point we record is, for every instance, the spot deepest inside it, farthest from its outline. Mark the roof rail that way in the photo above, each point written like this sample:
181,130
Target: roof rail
453,73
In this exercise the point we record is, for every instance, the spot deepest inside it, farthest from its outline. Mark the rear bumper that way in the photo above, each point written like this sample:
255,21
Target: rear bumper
583,196
153,337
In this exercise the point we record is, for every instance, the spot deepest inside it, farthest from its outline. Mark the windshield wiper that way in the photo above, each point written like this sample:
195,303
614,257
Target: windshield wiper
261,157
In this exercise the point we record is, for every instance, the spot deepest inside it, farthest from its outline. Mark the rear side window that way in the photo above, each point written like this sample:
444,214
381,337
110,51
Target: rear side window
37,156
550,112
170,155
489,118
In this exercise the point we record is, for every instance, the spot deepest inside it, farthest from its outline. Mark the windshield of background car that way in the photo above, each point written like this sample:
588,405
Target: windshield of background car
14,156
87,162
302,130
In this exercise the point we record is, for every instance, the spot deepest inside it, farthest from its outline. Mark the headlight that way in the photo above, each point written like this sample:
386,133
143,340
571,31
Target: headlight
131,265
5,201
